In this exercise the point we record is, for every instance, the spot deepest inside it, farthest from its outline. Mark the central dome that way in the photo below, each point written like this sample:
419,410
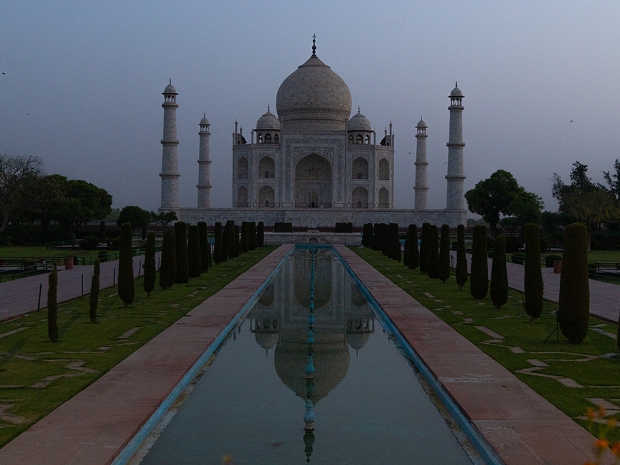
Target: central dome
314,97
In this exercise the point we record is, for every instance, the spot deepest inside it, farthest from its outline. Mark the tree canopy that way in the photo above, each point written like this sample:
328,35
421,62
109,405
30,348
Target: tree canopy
15,173
138,217
501,195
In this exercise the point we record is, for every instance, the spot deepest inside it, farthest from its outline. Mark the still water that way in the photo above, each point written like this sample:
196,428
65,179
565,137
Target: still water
255,402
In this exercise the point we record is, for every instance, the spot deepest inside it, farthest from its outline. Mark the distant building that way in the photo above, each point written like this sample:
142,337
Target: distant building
313,164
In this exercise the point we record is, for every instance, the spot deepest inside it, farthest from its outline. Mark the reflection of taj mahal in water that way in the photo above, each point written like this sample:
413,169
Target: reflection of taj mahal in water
314,164
279,321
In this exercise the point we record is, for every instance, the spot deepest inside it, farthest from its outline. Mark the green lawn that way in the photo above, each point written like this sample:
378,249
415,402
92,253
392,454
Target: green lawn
42,251
36,375
593,364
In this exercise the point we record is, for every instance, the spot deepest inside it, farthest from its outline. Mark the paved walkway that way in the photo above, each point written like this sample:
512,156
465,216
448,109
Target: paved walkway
21,296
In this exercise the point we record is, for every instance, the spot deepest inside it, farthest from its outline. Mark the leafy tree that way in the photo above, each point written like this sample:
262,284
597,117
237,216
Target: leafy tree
86,201
126,284
168,265
52,306
499,274
479,279
15,171
136,216
574,303
491,198
461,257
218,249
205,247
533,280
444,253
433,252
94,292
526,207
193,252
260,234
180,234
150,271
164,219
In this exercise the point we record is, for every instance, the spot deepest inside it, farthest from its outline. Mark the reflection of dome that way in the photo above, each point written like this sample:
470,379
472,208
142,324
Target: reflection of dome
357,298
268,121
357,340
266,340
359,123
331,365
267,296
314,92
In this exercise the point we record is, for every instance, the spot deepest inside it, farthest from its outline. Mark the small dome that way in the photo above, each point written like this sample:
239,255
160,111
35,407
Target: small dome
357,340
170,89
204,120
456,92
359,123
266,340
268,121
422,124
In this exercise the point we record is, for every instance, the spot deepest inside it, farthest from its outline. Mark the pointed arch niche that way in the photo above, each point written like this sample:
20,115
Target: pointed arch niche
313,182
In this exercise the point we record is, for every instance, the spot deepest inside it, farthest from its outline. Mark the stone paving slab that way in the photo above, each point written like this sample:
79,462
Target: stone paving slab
521,426
95,425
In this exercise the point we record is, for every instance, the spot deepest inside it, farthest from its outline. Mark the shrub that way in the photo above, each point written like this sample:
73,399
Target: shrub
93,299
205,248
479,280
90,242
444,253
148,284
218,248
168,265
574,302
499,274
432,250
424,249
260,234
513,244
461,257
549,259
533,281
52,306
126,284
194,264
180,234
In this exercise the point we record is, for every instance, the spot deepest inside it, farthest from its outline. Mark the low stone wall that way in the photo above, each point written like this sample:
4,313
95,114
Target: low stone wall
313,236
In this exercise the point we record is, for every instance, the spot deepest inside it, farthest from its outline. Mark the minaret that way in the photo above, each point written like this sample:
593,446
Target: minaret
169,158
204,166
455,176
421,186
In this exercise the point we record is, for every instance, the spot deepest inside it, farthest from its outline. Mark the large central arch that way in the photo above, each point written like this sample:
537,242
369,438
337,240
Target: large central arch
313,182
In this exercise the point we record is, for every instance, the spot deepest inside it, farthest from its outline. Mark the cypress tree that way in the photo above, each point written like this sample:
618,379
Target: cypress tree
205,248
414,255
126,284
407,251
424,249
574,302
148,284
260,235
444,253
433,251
461,257
253,240
245,238
385,239
533,280
375,236
227,237
218,247
168,265
499,274
180,234
237,241
93,299
193,252
479,280
394,242
52,306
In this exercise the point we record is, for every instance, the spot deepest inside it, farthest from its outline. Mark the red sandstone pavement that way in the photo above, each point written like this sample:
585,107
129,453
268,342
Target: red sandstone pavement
94,426
521,426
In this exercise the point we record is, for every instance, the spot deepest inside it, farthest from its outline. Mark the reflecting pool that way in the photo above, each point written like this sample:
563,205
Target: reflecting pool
310,376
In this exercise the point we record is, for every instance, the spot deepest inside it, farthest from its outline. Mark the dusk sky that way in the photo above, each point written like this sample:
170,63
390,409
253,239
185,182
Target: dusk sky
82,81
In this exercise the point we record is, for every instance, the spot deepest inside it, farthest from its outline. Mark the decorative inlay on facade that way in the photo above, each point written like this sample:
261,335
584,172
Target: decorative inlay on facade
327,152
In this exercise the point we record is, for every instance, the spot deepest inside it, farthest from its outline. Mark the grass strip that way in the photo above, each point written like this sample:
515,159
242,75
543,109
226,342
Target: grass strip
36,375
573,377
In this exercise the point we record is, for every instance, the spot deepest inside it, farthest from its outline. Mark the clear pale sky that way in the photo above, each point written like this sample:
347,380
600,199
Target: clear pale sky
83,84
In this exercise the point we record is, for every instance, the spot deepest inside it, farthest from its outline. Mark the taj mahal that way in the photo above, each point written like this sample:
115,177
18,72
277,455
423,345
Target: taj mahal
312,163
